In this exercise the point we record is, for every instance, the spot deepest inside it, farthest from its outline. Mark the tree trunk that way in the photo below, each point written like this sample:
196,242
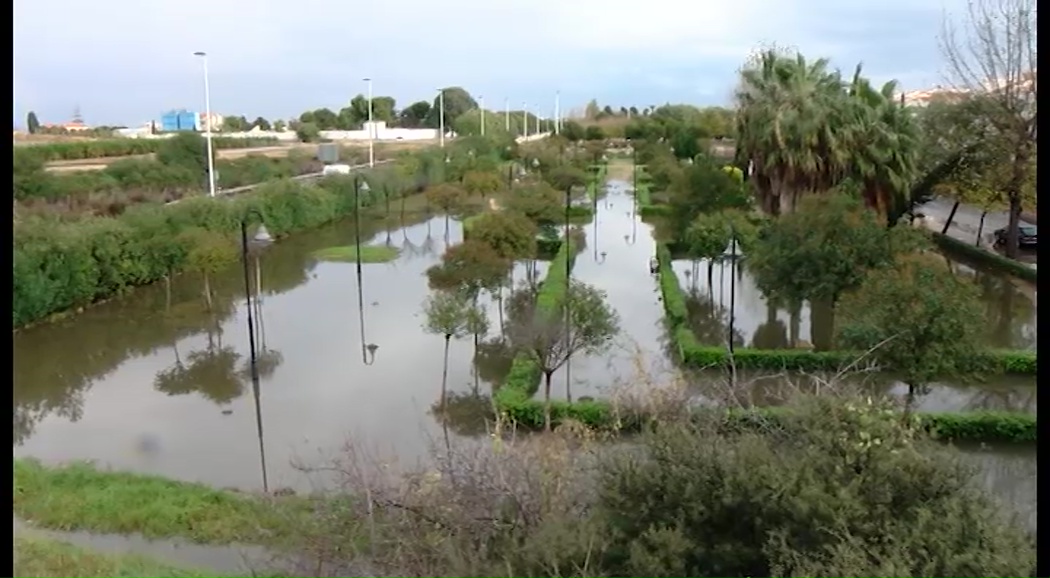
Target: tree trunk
711,279
207,292
1013,193
547,400
499,305
402,208
980,229
822,324
794,325
444,373
167,292
909,401
948,221
477,374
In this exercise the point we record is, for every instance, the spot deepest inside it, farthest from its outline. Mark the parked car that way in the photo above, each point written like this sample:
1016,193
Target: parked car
335,170
1025,236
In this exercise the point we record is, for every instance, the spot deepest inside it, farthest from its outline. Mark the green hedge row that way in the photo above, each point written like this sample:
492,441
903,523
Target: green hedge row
986,257
120,147
646,208
524,376
60,266
982,426
693,354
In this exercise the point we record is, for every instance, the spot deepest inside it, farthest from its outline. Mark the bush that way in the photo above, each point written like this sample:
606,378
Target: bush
62,266
119,147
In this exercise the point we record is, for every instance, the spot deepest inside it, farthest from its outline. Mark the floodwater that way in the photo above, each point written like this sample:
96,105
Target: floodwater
153,382
616,260
139,384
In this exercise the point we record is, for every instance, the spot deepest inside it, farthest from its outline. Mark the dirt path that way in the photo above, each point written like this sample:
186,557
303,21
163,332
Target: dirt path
620,170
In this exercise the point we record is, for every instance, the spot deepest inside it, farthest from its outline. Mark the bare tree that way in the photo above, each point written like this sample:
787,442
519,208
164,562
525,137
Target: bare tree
993,55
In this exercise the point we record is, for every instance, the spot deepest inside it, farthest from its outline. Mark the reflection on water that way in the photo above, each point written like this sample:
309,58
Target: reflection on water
618,264
1009,306
155,382
1010,474
764,388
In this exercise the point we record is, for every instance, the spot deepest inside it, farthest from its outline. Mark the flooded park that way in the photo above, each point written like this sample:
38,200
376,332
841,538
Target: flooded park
154,382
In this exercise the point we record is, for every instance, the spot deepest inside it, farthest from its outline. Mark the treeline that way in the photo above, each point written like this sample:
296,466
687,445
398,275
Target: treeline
60,266
119,147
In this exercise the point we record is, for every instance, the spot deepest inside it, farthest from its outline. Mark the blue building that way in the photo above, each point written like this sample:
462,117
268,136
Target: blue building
177,120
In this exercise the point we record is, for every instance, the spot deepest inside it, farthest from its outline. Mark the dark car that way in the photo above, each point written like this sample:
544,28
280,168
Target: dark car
1025,236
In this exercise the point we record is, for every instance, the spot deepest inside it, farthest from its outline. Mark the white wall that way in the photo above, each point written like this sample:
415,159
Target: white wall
532,137
380,132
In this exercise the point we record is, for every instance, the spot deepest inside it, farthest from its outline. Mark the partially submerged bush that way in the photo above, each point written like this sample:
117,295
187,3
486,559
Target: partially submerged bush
837,487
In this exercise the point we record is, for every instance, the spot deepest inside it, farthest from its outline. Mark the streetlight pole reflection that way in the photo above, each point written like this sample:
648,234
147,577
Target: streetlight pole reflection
261,240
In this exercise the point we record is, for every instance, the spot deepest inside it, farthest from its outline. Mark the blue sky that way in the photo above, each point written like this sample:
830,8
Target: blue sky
126,61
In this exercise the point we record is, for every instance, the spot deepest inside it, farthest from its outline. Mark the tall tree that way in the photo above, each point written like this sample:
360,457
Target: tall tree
32,123
415,114
993,53
457,101
261,123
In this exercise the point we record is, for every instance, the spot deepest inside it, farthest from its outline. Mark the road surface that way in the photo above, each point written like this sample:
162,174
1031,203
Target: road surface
966,223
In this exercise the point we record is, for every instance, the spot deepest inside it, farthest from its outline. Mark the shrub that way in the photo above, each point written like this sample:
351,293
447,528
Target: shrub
61,266
119,147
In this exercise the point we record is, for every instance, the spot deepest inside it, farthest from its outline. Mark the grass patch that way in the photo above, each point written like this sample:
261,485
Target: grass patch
348,254
40,556
79,496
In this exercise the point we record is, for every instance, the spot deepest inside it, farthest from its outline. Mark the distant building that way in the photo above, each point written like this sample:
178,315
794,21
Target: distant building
214,123
179,120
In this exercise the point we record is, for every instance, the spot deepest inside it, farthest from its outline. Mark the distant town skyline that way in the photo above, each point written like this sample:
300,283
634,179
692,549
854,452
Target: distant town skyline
268,61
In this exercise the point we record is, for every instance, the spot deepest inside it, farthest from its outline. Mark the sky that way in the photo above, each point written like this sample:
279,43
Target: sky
124,62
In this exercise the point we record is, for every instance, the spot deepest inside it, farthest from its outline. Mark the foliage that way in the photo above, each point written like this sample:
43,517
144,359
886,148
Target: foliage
78,496
456,102
539,203
820,251
691,353
707,236
349,254
32,123
415,114
447,314
821,495
482,183
921,321
564,177
445,196
41,556
469,267
986,258
836,131
511,235
59,266
120,147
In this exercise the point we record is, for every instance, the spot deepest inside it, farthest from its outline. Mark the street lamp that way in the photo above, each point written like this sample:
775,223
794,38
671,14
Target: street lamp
557,112
535,163
481,108
732,254
371,347
568,277
207,114
360,186
525,121
602,256
441,114
260,241
506,114
371,127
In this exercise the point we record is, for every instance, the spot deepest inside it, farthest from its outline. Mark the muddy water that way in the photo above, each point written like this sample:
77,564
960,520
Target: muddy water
149,385
616,260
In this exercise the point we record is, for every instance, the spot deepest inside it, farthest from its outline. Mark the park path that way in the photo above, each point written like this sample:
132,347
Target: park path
966,223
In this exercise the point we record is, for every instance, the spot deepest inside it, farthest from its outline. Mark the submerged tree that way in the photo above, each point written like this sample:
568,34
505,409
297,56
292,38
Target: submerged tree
552,333
448,198
919,320
451,314
207,253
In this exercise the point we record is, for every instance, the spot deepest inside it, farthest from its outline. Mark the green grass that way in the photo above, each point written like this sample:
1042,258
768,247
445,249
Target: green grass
39,556
348,254
79,496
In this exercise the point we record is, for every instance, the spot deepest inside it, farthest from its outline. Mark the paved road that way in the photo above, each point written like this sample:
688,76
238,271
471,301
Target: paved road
966,223
306,177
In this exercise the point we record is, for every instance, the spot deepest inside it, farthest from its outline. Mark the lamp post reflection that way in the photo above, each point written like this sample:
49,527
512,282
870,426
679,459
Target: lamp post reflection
261,240
733,254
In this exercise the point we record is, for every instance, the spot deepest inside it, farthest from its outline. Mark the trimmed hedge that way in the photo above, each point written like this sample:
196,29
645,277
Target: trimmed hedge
120,147
979,426
60,266
646,208
523,379
693,354
985,257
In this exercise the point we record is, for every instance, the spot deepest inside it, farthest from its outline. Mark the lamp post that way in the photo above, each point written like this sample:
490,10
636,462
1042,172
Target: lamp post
732,254
359,186
525,121
506,114
481,109
568,288
557,112
207,123
261,239
371,127
441,115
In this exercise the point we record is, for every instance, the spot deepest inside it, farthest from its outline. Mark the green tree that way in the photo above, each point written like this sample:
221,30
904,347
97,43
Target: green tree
207,253
448,198
308,132
538,202
32,123
450,314
261,123
457,102
594,133
482,183
919,320
699,189
821,251
510,234
469,267
415,114
233,123
565,178
573,131
186,149
550,335
279,125
324,118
